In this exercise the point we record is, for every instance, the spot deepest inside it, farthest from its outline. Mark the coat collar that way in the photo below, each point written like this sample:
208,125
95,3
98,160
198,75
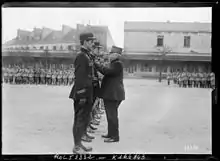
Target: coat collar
83,49
115,60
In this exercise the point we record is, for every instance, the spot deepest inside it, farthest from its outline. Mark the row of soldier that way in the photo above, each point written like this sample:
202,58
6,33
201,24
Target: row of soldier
30,75
192,79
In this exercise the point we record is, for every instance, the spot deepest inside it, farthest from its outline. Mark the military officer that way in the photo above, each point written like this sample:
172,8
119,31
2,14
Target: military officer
112,92
59,75
6,75
65,80
82,91
53,77
212,80
190,80
168,78
70,78
10,76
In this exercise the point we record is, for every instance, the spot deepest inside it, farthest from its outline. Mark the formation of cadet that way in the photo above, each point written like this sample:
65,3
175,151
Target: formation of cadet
192,79
37,76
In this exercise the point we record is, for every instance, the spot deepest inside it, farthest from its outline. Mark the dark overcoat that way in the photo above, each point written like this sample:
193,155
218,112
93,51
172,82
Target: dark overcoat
84,71
112,86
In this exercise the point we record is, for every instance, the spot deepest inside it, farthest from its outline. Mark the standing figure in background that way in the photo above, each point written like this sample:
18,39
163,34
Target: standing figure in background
212,80
53,77
65,78
168,78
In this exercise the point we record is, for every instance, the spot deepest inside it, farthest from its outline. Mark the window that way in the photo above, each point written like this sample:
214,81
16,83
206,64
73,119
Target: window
157,68
165,70
42,48
61,47
69,47
160,40
187,41
54,48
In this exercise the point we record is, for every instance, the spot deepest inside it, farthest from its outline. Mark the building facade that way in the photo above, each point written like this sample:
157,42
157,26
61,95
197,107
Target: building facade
57,43
153,46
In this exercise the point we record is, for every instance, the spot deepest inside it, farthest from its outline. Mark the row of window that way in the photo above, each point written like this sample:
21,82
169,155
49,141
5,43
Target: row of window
160,41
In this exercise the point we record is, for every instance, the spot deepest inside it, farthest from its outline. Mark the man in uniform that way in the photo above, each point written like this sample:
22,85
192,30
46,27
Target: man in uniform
190,80
168,78
209,80
65,78
82,91
6,75
42,76
112,92
59,77
53,77
212,80
10,76
203,80
31,76
197,80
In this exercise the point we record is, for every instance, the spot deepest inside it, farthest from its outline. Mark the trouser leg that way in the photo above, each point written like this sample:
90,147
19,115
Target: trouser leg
112,117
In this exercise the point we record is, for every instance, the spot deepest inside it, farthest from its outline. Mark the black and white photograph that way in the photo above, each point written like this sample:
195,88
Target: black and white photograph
107,80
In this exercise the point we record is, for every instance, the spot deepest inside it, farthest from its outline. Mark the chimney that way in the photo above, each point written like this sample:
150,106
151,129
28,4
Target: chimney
66,29
18,33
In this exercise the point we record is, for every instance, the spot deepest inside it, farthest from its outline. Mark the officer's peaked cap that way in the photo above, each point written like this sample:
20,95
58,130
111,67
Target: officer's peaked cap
86,36
97,45
116,49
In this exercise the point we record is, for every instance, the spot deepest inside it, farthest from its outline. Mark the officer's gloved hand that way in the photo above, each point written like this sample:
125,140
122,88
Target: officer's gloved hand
82,101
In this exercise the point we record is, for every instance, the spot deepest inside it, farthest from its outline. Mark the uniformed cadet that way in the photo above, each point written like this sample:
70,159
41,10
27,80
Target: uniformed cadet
37,74
180,79
185,79
31,77
10,76
53,77
212,80
168,78
26,75
203,80
42,76
65,80
48,77
200,79
197,80
5,76
19,77
209,80
14,71
59,77
69,78
82,91
191,80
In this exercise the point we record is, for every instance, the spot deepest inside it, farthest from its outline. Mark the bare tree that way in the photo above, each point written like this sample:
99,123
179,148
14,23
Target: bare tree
164,50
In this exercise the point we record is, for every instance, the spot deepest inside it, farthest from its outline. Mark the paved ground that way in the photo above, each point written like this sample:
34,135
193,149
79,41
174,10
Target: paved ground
155,118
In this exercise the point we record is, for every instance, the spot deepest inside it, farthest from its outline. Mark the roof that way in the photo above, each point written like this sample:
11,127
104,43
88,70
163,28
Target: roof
69,35
53,37
168,26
